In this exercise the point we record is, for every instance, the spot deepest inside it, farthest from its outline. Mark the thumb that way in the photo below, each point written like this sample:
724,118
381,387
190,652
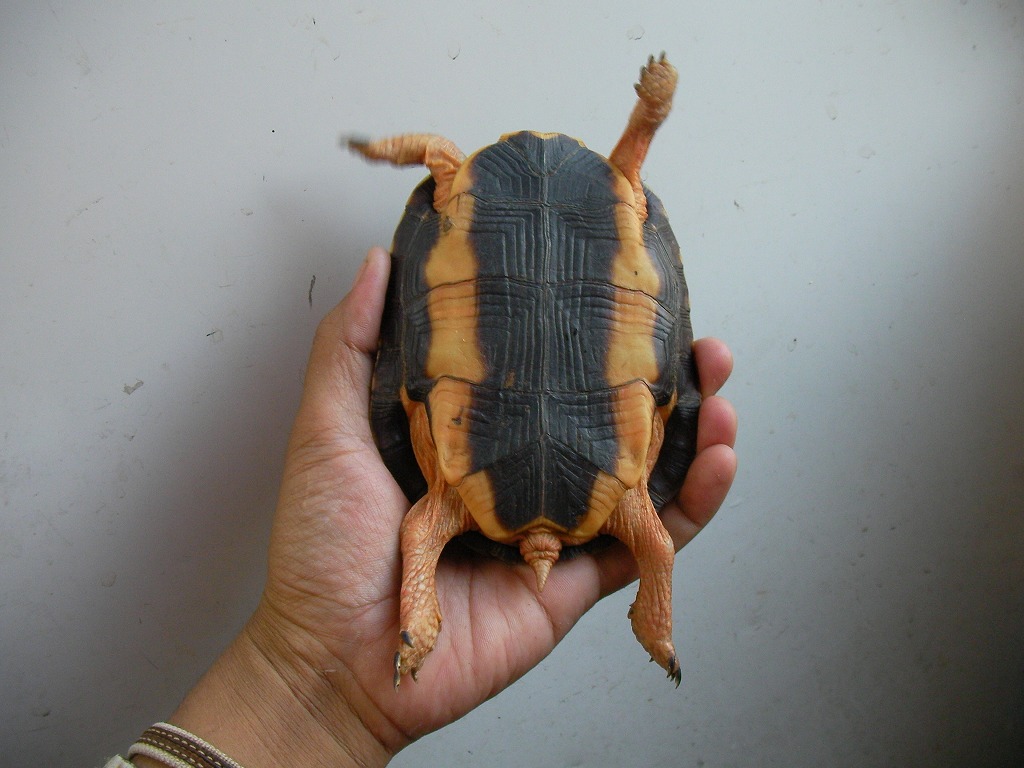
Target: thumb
337,386
356,320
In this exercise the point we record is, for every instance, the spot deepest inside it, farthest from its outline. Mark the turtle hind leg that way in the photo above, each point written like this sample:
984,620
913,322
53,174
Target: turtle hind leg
431,523
655,90
636,524
440,155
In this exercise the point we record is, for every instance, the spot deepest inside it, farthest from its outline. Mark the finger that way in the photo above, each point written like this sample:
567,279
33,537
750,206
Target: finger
615,568
707,483
360,311
341,360
333,467
703,493
708,479
714,364
716,423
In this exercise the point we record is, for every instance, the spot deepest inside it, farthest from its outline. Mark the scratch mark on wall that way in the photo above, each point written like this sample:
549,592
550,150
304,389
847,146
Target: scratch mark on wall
79,211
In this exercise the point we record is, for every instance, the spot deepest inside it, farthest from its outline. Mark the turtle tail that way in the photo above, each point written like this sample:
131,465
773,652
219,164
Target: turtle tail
540,549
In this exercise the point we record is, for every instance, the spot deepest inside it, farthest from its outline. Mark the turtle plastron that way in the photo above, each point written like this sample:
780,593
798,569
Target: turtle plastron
432,522
635,522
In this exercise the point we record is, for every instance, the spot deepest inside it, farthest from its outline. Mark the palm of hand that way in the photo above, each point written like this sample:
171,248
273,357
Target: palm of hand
335,573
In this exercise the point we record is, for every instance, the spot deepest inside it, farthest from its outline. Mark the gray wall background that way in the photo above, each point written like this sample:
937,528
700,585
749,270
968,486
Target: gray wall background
847,183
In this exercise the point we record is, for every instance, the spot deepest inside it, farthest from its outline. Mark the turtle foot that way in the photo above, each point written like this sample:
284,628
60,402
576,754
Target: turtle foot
431,523
656,86
413,649
658,645
654,90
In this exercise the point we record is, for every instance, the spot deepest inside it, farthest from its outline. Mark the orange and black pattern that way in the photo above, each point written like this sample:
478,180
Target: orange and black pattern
544,326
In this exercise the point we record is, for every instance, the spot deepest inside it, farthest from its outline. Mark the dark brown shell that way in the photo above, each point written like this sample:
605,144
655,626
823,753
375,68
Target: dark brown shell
548,307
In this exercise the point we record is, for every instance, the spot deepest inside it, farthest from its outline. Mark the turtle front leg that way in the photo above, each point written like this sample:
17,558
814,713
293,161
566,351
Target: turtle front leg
431,523
442,158
655,90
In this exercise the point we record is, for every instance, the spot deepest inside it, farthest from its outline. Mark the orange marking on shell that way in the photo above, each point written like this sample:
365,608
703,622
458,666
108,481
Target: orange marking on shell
454,345
478,496
633,268
453,259
450,272
422,442
633,414
604,497
450,403
631,344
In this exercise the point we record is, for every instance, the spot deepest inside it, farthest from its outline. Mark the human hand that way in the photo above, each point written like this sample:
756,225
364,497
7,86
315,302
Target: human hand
312,672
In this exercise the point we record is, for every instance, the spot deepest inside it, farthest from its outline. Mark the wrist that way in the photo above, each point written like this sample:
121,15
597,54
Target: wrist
263,711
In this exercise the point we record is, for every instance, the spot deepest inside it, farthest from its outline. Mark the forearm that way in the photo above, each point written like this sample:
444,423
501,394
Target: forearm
263,715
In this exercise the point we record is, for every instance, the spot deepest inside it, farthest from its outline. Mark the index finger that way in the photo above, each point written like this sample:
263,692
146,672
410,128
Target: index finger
714,364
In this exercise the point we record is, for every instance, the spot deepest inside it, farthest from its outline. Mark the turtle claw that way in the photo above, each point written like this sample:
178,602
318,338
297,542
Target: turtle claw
404,665
656,86
401,668
665,656
412,650
674,673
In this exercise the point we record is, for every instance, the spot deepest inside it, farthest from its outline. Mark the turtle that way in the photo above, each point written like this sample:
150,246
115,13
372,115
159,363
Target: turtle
534,385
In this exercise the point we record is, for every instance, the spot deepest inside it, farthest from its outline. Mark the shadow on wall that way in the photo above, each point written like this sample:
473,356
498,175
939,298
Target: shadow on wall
903,588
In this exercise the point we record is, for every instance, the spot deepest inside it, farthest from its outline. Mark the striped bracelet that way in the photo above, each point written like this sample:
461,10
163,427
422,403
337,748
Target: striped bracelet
177,748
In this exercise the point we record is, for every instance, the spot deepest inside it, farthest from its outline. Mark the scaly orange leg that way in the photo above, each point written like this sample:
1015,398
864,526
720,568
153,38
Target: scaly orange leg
442,158
635,522
432,522
655,89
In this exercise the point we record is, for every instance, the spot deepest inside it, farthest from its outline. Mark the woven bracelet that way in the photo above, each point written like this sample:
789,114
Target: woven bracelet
177,748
